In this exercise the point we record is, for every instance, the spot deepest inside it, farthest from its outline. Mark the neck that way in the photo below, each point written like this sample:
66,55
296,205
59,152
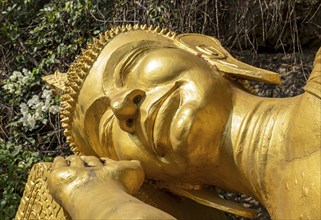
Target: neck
252,141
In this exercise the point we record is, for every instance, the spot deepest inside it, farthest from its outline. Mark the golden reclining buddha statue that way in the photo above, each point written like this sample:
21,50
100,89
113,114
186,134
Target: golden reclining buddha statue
157,120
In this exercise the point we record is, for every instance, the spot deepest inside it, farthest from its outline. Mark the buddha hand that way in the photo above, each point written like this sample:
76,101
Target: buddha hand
76,176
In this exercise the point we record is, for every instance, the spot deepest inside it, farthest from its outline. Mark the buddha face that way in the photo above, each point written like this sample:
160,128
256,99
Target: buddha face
168,109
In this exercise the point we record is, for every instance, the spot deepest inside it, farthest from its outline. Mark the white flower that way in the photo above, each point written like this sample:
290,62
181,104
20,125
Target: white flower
45,107
23,108
37,115
9,87
5,87
24,80
46,94
33,101
31,121
39,106
54,109
16,75
23,120
17,89
47,103
36,109
25,71
28,121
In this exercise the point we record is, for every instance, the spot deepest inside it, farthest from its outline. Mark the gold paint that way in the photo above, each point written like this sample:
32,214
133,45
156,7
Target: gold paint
36,202
305,191
56,81
172,103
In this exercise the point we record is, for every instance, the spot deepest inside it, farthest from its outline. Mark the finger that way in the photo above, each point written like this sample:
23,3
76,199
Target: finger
75,161
59,162
91,161
106,160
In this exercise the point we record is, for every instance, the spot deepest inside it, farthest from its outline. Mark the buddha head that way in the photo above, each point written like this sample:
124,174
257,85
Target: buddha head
148,94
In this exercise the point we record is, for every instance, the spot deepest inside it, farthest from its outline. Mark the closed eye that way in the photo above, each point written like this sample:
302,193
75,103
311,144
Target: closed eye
125,65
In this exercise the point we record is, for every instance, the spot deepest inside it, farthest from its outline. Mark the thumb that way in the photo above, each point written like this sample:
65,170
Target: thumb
129,173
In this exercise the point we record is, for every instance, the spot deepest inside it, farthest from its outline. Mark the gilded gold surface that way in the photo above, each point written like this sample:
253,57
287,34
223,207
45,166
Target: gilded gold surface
37,202
175,109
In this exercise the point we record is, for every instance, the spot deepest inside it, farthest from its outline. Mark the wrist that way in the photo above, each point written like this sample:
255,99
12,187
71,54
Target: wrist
93,197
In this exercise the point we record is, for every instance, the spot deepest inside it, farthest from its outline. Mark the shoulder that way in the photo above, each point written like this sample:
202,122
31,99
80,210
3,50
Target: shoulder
313,85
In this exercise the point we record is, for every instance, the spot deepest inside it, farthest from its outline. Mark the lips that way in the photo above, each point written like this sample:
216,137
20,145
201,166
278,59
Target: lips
161,111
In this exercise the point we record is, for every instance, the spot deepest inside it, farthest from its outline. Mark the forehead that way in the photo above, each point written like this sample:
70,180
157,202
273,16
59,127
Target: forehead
168,53
128,54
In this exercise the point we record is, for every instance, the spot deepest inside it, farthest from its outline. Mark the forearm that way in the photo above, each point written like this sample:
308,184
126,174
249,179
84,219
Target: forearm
110,202
133,209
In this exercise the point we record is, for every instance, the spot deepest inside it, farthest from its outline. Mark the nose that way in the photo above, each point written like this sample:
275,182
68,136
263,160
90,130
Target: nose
126,108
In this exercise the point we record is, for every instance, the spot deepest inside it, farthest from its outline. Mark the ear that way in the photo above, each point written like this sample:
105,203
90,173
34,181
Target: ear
211,50
56,81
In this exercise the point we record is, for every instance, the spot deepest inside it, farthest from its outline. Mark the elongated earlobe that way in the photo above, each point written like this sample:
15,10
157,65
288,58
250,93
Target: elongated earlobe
211,50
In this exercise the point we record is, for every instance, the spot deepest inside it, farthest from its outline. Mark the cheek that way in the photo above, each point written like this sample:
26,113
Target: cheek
127,149
181,125
121,143
204,137
215,120
205,126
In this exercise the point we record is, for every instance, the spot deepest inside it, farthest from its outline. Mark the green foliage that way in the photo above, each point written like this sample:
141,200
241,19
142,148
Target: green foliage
14,160
36,37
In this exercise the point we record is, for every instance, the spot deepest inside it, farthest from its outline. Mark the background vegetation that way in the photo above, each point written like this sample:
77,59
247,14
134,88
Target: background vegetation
38,37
